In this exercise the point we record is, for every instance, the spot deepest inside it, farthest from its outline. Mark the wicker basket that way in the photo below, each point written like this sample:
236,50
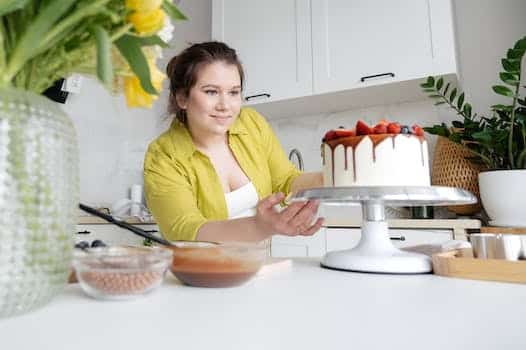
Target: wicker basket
451,168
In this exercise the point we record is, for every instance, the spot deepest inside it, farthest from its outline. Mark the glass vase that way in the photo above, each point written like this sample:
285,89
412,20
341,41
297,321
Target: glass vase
39,189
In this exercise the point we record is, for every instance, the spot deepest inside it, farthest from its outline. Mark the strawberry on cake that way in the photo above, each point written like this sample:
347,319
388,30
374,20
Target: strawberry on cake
388,154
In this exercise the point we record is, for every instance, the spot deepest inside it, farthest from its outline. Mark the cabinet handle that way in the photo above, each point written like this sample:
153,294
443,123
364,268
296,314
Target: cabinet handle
248,98
362,79
85,232
397,238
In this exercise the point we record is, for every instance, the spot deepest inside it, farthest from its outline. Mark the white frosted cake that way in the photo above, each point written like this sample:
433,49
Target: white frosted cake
386,155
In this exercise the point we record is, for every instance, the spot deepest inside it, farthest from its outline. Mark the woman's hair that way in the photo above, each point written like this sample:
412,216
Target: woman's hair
182,70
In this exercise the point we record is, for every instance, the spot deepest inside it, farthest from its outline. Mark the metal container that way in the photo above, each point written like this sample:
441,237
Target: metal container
496,246
484,245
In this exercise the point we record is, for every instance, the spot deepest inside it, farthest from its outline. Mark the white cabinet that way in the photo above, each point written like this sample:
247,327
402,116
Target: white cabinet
363,42
298,246
272,39
304,48
111,234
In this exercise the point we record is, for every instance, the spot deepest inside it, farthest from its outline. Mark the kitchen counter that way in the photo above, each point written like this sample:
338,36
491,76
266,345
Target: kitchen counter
302,307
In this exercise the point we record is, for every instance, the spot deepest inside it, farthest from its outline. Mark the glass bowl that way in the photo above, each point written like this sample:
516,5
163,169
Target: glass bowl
205,264
120,272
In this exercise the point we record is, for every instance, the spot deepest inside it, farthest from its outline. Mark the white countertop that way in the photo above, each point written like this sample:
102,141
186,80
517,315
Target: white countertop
301,307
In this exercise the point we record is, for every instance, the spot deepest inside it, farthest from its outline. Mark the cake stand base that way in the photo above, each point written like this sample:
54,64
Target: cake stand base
375,253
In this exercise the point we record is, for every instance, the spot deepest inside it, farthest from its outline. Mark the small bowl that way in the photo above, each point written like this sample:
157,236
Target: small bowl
120,272
205,264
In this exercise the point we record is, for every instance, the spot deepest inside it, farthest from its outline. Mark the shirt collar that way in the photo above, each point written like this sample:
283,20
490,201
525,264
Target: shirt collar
183,142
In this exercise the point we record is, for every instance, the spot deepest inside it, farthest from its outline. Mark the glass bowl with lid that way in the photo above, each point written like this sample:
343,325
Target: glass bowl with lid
120,272
207,264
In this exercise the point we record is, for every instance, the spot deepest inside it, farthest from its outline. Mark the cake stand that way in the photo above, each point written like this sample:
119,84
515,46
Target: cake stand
375,252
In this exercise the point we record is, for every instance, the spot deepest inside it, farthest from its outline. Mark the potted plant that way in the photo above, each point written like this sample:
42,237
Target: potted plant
497,141
40,42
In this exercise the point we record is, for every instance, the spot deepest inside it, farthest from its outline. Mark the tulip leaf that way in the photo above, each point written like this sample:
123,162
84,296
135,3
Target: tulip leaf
104,65
7,6
151,41
172,11
130,48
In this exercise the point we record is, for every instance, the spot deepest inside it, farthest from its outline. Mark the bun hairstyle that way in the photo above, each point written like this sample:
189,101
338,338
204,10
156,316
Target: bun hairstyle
182,70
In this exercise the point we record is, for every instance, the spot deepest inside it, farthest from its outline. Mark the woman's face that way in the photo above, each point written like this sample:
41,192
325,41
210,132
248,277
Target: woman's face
214,102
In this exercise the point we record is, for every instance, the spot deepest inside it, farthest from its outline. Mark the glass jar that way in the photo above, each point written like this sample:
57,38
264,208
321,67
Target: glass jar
39,186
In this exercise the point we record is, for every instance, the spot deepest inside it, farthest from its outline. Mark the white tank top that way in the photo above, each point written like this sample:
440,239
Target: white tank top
242,202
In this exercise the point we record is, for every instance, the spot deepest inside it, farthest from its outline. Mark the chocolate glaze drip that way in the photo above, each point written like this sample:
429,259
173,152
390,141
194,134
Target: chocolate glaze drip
354,141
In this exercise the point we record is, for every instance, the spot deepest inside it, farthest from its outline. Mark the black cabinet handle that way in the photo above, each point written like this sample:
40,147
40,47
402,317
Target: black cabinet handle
248,98
362,79
85,232
397,238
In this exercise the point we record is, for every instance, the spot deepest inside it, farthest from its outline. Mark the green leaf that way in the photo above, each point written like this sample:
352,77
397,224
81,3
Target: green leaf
511,66
503,90
455,137
130,48
509,78
104,65
439,103
431,81
7,6
151,41
457,124
501,107
429,90
32,36
427,86
460,101
447,88
520,44
522,102
172,11
514,53
453,95
482,136
440,83
435,96
467,110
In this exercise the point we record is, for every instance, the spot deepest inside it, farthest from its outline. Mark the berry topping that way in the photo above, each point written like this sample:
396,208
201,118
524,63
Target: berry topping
362,128
329,135
418,130
405,130
393,128
344,133
380,129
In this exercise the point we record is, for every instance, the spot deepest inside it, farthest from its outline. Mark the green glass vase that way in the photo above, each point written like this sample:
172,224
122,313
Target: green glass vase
39,186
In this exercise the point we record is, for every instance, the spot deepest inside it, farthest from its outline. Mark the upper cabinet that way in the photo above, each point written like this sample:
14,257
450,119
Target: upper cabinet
304,48
273,41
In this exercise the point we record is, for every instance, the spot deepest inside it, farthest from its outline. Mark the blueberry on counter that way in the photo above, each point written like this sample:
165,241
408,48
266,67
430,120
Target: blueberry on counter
82,245
97,243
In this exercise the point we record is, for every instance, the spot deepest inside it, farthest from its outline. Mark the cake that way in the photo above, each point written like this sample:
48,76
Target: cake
388,154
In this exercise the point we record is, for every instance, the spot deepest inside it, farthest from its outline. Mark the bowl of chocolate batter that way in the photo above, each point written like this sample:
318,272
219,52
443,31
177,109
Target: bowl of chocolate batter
206,264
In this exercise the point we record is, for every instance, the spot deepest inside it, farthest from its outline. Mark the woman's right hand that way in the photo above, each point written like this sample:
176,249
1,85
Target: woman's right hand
296,219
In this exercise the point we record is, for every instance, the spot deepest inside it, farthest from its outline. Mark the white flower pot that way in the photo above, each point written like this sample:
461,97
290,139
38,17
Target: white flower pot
503,194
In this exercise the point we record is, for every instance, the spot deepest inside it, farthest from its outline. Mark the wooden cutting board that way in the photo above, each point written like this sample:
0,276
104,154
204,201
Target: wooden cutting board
504,230
461,264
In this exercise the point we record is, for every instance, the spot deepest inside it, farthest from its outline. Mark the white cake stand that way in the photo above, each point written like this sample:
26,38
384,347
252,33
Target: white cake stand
375,252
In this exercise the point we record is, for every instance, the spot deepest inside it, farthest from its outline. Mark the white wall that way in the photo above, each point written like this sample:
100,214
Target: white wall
113,138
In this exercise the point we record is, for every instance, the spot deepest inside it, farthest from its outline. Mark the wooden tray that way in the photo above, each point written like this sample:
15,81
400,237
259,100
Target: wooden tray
461,264
504,230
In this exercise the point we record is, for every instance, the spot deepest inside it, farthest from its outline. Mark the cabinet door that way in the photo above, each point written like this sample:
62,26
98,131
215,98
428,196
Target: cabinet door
357,39
273,41
298,246
407,238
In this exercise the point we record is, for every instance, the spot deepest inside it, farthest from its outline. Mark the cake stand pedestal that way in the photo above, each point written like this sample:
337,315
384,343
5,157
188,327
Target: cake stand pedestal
375,252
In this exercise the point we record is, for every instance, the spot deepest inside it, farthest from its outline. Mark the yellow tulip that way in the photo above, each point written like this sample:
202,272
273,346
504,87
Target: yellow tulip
147,22
143,5
135,94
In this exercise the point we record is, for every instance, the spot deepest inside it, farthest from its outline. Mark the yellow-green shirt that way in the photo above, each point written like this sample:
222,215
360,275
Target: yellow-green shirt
181,185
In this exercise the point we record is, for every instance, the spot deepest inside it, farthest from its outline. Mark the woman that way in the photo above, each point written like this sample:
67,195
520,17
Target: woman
219,171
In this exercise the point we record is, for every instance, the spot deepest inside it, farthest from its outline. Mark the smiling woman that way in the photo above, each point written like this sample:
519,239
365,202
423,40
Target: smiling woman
217,156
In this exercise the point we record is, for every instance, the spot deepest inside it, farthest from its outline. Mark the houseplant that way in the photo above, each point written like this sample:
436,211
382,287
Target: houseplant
40,42
497,141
